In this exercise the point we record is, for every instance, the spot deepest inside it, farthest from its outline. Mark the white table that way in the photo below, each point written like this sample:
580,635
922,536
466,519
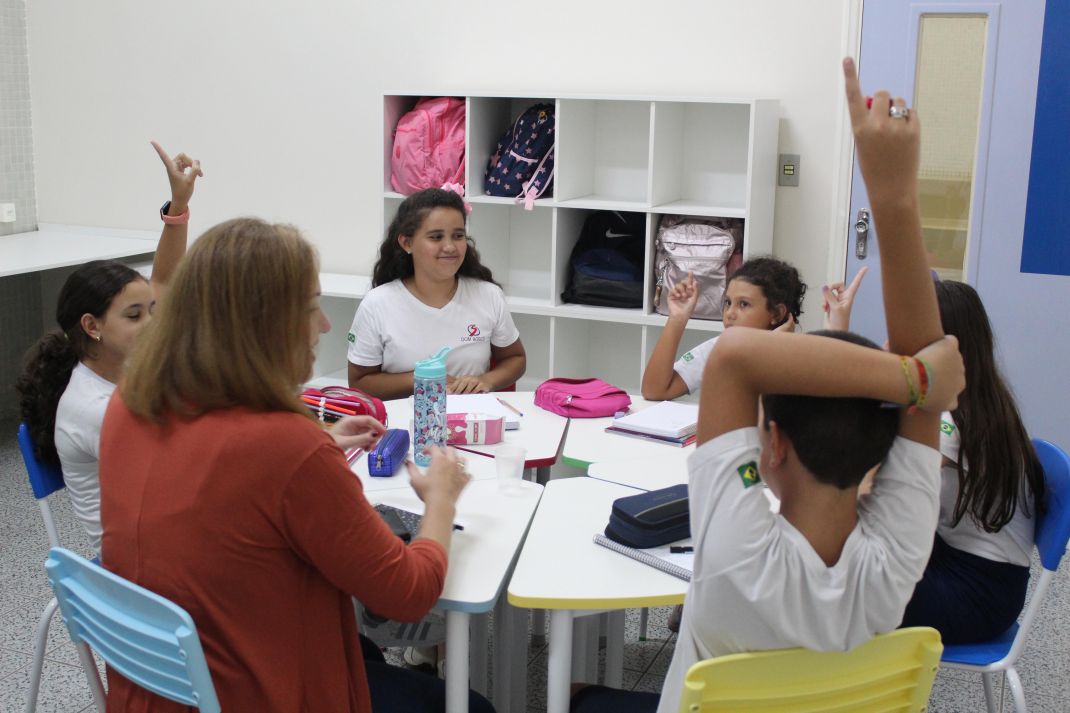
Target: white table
480,560
561,569
650,473
540,432
53,246
587,442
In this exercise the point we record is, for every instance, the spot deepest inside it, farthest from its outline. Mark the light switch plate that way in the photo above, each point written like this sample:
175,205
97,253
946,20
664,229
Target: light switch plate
788,171
7,212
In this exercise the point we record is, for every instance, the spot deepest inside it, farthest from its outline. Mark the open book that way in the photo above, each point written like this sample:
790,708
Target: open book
668,419
678,565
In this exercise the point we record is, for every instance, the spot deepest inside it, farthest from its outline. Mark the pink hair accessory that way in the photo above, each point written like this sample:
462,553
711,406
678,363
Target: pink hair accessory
459,190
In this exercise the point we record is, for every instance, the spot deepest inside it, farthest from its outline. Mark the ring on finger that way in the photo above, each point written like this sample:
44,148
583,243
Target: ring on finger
899,112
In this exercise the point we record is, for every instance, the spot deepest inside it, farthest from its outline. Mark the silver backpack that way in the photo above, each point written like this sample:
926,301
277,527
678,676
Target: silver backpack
699,246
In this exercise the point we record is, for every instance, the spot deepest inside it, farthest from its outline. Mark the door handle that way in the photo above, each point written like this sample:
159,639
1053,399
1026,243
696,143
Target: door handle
861,233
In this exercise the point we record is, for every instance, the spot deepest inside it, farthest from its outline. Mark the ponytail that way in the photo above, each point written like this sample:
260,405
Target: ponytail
46,372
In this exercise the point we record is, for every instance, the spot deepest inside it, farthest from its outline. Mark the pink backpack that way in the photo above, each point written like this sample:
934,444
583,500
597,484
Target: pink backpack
581,398
428,146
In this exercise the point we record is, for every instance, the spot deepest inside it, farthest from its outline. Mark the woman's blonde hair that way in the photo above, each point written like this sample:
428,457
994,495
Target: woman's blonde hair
233,329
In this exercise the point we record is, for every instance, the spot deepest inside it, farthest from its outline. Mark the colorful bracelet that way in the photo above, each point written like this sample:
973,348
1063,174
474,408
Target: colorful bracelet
904,362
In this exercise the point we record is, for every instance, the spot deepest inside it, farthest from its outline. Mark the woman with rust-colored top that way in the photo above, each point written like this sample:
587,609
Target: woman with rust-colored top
219,492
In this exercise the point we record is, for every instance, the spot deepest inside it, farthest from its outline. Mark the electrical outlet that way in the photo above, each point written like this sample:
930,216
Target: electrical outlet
7,212
788,173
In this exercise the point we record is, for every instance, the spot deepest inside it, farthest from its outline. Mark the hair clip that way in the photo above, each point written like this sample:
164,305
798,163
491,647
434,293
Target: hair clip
459,190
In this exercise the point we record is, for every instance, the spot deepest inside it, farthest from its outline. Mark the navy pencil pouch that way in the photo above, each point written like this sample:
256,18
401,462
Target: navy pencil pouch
389,454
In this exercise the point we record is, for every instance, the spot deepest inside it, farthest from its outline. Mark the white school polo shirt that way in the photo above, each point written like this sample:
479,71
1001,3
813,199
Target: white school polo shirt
692,363
759,585
395,330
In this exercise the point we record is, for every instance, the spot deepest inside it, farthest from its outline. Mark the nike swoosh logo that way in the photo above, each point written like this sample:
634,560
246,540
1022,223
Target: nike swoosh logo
611,234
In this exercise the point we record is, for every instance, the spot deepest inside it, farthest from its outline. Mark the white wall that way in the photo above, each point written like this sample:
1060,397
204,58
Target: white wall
281,100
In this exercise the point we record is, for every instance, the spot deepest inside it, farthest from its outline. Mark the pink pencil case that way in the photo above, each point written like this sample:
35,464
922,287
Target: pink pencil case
469,429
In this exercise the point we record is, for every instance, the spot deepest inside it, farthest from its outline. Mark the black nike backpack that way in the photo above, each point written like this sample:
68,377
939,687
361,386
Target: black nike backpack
606,267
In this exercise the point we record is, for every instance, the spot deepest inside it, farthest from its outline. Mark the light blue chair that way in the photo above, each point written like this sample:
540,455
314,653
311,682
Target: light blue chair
1052,534
44,480
147,639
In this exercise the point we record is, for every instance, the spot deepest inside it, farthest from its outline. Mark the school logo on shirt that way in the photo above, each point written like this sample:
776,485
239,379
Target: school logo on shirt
688,356
946,428
351,338
474,334
749,473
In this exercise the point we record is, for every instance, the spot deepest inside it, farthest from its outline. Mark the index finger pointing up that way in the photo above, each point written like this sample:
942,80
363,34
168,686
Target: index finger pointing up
856,103
163,154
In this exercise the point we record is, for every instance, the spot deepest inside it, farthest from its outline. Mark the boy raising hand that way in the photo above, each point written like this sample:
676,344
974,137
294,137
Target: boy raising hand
810,415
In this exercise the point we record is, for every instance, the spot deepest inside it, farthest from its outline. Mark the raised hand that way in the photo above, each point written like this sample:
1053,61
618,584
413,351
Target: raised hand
182,174
888,147
683,297
839,300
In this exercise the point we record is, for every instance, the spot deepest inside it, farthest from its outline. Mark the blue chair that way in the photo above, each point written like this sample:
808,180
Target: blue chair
147,639
44,480
1052,533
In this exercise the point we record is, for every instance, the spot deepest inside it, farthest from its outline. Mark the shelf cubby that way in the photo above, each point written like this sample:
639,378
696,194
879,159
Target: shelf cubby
603,153
610,351
515,244
488,118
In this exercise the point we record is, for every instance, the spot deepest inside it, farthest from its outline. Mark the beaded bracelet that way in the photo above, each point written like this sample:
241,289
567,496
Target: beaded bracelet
925,381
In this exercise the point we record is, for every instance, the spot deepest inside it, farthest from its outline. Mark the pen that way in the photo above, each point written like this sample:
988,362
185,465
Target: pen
680,550
509,406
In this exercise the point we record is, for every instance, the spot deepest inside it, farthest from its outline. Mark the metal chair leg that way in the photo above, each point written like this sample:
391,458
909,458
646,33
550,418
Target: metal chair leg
991,701
39,654
1017,692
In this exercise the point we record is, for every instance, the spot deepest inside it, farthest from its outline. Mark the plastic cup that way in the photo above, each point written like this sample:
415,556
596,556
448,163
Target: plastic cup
509,460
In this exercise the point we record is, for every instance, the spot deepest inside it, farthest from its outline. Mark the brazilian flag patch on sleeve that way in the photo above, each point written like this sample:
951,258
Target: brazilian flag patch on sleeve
351,338
947,428
688,356
748,472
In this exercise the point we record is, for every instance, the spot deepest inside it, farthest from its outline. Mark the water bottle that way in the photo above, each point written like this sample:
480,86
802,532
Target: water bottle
429,406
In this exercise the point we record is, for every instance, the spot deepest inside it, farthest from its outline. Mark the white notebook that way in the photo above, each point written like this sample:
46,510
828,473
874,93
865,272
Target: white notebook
669,419
482,403
678,565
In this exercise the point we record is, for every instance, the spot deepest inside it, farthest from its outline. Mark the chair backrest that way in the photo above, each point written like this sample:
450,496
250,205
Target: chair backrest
45,479
1053,523
146,638
891,672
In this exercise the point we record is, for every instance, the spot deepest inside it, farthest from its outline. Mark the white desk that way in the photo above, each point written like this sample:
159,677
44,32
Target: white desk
587,442
480,560
561,569
55,246
650,473
540,432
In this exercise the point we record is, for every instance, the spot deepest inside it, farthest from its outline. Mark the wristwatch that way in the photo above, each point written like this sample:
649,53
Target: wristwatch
173,219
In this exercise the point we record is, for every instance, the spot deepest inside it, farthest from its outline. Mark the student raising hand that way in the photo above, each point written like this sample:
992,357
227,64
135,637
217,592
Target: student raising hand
683,297
838,301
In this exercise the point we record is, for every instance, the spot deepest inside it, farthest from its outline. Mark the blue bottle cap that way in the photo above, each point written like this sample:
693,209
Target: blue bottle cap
433,367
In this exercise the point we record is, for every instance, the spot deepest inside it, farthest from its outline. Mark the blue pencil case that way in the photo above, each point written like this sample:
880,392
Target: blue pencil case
389,454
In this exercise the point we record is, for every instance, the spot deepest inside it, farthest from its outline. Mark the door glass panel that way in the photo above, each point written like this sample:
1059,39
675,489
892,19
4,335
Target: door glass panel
948,89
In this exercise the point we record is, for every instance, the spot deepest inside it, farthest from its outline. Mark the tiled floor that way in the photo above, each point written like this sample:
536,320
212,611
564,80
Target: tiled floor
24,591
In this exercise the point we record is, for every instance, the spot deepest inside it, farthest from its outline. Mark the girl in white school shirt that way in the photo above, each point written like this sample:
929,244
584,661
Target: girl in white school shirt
70,374
764,293
431,291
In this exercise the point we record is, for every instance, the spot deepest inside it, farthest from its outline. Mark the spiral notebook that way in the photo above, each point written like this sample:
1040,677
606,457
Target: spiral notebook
678,565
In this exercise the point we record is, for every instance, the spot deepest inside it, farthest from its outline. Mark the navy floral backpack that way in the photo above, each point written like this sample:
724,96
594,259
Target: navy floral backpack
522,165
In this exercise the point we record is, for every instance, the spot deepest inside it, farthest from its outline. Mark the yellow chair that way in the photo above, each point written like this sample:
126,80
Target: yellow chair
891,672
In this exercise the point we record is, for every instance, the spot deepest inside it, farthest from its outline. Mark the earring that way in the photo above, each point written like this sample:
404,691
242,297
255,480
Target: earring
99,338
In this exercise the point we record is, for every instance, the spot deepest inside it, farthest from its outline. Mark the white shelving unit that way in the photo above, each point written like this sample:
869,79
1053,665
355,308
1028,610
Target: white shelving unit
651,155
